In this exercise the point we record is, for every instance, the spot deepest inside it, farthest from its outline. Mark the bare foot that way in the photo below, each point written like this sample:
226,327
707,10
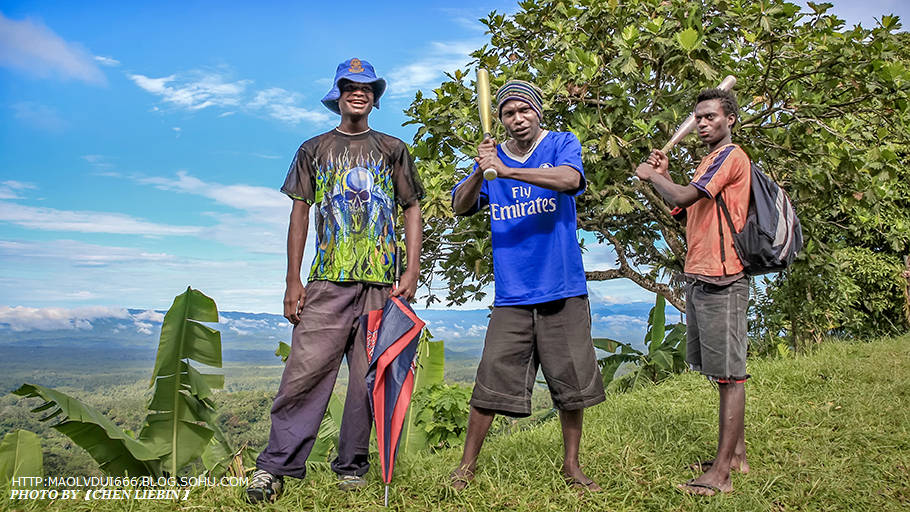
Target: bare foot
740,465
461,477
576,479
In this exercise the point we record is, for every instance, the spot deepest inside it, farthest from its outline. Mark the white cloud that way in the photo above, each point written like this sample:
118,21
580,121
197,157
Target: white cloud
99,162
426,72
51,219
149,315
196,91
260,228
107,61
468,19
617,291
267,204
282,105
33,48
619,320
80,295
10,189
456,330
143,328
39,116
80,254
599,256
137,277
21,318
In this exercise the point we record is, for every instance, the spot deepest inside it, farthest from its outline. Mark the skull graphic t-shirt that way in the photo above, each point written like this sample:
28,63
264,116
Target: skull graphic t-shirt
352,183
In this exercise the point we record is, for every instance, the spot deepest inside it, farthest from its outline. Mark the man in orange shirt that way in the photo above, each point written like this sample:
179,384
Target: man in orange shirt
718,293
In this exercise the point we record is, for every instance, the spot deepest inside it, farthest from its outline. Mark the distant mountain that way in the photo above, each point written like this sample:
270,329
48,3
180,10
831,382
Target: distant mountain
254,336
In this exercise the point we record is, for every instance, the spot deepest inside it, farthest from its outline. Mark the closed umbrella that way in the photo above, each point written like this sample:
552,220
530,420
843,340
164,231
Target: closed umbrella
392,336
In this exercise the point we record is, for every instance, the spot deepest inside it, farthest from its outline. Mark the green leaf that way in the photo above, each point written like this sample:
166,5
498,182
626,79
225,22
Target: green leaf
608,371
607,344
657,322
430,371
20,455
182,338
283,351
180,392
705,69
687,39
177,439
629,66
663,360
113,449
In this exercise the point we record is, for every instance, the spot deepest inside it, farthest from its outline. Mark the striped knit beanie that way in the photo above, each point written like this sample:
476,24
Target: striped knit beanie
522,91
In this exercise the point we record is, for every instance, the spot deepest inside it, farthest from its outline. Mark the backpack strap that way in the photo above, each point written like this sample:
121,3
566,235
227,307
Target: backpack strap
720,231
723,206
719,205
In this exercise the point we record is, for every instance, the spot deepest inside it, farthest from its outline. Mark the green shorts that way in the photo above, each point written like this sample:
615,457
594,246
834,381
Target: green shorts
555,336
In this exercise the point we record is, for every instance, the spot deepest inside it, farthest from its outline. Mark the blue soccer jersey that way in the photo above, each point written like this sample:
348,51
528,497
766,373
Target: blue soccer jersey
536,257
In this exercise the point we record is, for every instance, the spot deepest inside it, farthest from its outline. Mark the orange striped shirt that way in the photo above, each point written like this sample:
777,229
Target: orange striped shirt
725,171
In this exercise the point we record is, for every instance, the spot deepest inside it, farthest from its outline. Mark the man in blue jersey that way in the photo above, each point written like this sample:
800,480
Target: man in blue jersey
541,316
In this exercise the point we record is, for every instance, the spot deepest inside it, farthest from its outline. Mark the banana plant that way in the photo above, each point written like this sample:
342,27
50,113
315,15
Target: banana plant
180,426
666,353
431,359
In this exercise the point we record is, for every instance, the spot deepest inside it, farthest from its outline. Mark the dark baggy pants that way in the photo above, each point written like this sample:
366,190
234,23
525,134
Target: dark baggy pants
329,328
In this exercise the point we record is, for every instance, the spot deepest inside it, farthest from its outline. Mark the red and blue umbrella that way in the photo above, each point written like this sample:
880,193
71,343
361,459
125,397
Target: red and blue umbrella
392,336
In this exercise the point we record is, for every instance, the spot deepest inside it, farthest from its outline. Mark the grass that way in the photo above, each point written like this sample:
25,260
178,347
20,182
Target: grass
825,431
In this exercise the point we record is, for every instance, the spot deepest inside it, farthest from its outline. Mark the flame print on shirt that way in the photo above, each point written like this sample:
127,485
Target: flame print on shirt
354,220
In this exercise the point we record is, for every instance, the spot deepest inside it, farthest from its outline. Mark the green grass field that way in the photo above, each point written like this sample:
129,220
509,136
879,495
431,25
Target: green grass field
825,431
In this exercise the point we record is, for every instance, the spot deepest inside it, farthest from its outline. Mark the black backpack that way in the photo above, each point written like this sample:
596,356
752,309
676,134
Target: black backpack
772,234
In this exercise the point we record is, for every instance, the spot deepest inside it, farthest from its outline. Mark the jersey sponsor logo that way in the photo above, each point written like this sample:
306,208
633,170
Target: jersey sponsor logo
523,205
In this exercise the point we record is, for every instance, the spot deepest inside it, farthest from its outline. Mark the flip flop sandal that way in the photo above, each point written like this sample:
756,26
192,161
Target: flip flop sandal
575,483
687,488
460,480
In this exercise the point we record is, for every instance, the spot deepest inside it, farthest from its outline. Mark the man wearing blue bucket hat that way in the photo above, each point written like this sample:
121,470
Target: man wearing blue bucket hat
353,178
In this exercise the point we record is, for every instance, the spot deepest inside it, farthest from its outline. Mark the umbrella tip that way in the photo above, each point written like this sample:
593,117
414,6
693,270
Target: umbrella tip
387,495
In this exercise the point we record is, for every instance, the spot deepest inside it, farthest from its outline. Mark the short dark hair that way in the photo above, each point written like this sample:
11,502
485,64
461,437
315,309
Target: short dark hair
727,100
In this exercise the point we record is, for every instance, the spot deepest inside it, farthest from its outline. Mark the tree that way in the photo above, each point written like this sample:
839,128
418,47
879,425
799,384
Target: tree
824,109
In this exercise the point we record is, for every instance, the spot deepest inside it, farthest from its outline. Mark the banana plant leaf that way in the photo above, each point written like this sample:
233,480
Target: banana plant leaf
283,351
656,323
183,425
217,455
20,455
113,449
430,370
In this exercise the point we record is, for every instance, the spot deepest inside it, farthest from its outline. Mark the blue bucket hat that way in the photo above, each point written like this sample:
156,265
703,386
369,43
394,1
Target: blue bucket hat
355,70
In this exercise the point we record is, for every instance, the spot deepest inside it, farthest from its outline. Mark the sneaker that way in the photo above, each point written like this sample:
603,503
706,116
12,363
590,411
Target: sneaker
351,482
264,486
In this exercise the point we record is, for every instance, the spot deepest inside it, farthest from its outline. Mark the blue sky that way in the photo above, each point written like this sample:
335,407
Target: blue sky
142,144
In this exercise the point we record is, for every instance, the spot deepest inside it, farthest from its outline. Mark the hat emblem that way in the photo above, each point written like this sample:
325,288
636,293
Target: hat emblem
356,67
